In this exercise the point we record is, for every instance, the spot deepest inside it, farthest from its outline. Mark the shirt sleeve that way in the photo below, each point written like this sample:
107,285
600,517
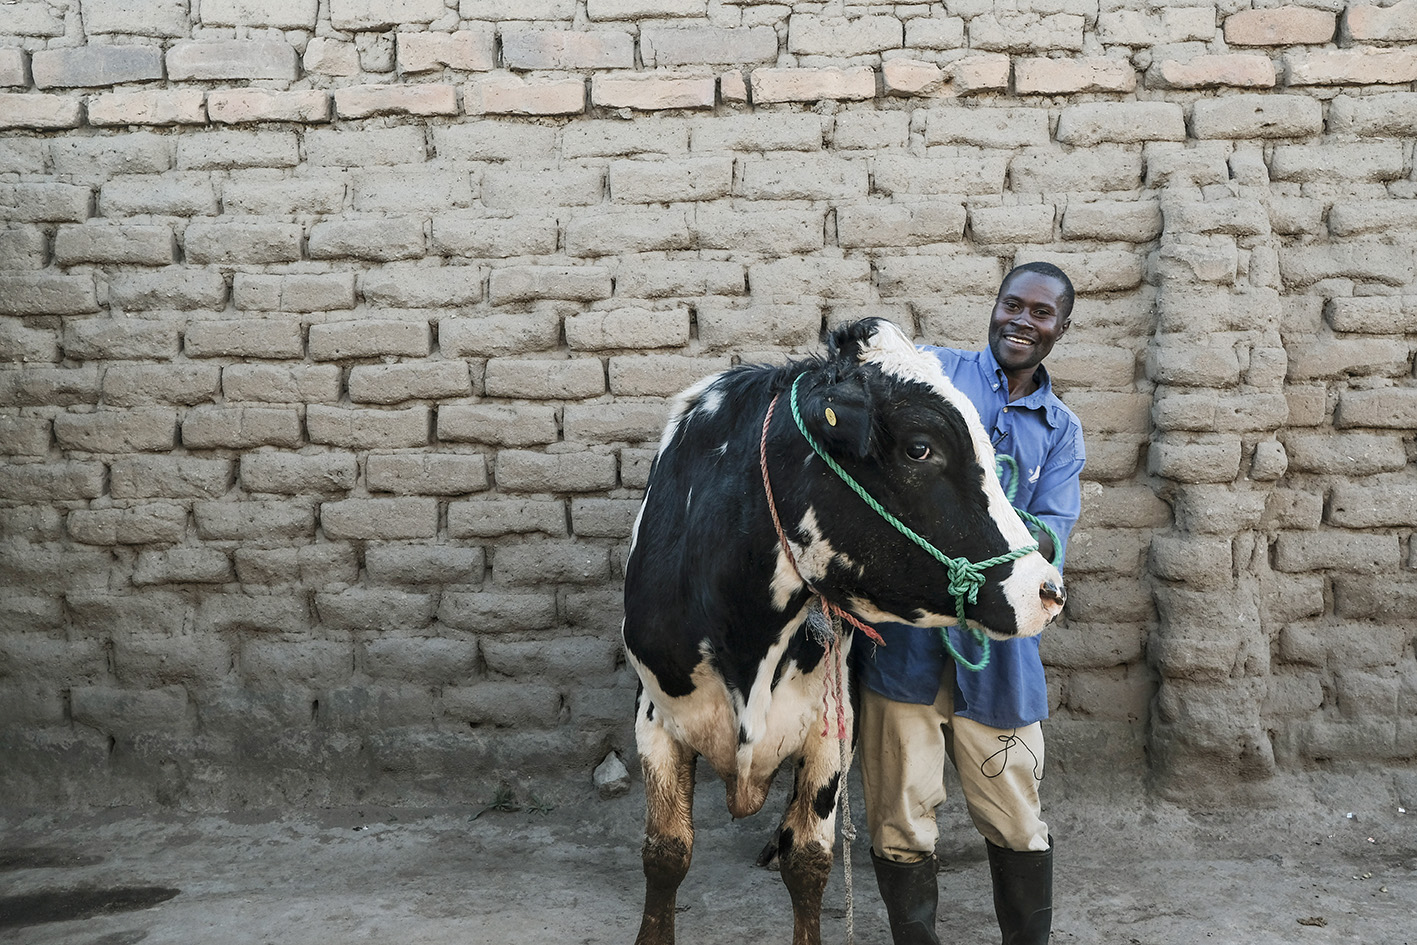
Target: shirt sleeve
1057,499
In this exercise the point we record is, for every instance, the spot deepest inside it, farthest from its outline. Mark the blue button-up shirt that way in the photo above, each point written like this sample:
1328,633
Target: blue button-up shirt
1045,438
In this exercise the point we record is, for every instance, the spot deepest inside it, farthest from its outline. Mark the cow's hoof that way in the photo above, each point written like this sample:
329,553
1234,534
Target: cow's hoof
768,858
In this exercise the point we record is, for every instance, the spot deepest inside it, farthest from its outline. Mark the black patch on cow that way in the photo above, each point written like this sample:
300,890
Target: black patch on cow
825,801
784,842
742,735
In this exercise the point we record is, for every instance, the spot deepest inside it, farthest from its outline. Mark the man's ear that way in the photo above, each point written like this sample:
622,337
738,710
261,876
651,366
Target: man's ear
840,416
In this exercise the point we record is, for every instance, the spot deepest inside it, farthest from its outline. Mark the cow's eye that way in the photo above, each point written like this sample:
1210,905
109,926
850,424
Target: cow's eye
918,451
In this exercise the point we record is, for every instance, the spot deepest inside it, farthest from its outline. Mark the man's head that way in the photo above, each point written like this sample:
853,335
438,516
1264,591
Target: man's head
1031,312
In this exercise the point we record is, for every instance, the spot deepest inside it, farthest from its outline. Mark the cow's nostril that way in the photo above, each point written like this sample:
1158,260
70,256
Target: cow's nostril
1052,592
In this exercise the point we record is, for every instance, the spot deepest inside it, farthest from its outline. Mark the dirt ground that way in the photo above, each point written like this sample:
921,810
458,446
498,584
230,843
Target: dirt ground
1338,866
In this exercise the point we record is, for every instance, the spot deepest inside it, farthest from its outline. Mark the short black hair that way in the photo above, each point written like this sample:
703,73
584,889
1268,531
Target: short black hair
1052,272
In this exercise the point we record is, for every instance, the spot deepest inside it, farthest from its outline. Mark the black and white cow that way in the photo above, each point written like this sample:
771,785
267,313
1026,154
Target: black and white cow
716,614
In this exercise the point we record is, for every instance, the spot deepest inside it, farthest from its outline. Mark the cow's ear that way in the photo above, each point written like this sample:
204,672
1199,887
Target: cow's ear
845,342
839,416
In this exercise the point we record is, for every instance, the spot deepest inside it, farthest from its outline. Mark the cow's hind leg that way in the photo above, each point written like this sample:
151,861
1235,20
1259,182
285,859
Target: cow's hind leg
804,841
669,827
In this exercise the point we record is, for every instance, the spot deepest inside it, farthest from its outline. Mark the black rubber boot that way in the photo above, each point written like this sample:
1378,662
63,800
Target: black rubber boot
912,895
1023,893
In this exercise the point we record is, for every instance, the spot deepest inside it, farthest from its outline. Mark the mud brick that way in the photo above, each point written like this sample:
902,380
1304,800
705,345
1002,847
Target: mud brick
797,280
45,203
1017,224
312,566
379,240
34,110
23,247
1164,27
165,477
757,133
174,288
365,148
1389,409
1123,122
426,474
537,563
422,286
840,38
1282,26
495,140
315,664
678,46
815,177
182,566
114,244
24,436
212,427
281,384
131,712
261,193
1256,116
1344,454
639,9
494,237
232,59
1373,314
1388,503
913,224
330,57
463,50
1389,114
243,338
782,325
354,15
424,564
1101,366
910,77
183,195
138,430
368,429
806,84
254,520
1200,72
653,91
1390,24
498,611
14,68
574,379
298,473
364,101
567,49
91,66
1350,218
603,518
366,339
33,523
494,517
421,659
528,283
1377,161
494,335
1065,76
1194,459
497,424
18,343
1340,357
518,186
298,292
45,386
224,150
615,423
140,17
898,174
504,704
415,188
243,243
380,519
871,130
506,94
660,375
581,471
242,106
628,328
928,275
396,383
1336,551
565,658
46,482
1106,168
1129,221
1305,265
648,277
1186,362
601,233
126,385
767,232
298,14
1232,216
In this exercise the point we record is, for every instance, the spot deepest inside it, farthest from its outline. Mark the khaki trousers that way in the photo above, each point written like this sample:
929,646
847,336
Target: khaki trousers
903,747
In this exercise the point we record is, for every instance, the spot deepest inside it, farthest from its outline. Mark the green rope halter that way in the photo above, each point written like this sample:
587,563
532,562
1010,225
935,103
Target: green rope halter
965,576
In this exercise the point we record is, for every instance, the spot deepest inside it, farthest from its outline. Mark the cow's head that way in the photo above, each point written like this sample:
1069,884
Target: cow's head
889,416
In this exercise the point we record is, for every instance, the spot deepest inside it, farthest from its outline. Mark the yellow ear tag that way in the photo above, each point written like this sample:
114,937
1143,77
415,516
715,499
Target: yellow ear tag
831,416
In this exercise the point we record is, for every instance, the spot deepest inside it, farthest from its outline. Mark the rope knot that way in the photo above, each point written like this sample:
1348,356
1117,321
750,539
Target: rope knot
965,581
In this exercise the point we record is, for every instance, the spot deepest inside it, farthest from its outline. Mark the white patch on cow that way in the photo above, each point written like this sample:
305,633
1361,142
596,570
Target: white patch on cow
700,395
753,717
639,516
813,559
689,499
721,449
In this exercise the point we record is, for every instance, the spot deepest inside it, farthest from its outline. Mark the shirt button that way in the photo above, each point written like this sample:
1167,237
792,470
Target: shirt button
1006,410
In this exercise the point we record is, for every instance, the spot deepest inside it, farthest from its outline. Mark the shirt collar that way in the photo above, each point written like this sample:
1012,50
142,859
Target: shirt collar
1041,399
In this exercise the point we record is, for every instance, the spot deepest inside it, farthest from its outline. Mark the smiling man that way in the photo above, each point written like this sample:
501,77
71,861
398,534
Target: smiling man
918,707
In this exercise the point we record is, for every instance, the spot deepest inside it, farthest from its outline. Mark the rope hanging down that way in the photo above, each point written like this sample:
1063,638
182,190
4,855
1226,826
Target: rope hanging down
965,577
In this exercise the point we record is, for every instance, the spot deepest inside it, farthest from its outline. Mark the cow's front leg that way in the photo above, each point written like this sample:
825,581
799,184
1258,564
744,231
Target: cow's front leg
668,769
807,833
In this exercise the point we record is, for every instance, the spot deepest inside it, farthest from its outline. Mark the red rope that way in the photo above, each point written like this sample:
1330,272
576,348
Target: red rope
828,608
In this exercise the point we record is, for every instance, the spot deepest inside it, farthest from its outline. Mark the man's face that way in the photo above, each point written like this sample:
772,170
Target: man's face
1027,321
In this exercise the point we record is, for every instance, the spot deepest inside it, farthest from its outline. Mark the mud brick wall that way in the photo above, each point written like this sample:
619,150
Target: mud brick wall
335,338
